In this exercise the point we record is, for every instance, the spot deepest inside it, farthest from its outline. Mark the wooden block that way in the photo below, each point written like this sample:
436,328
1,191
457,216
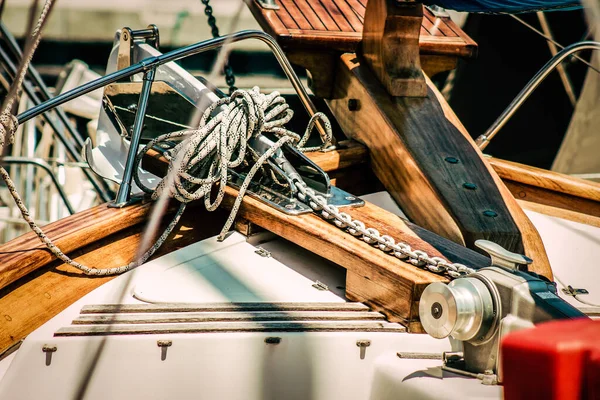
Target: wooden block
424,159
390,46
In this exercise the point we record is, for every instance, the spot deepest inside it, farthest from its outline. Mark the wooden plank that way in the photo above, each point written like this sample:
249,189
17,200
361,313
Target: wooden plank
358,9
350,15
309,14
544,179
31,301
224,317
532,242
423,182
336,15
268,20
437,26
554,199
323,15
26,253
348,154
222,307
569,215
288,21
229,327
324,34
295,14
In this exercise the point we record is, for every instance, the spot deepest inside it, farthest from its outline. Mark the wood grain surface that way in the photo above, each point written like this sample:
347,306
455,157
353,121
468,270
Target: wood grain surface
337,25
390,46
411,144
29,302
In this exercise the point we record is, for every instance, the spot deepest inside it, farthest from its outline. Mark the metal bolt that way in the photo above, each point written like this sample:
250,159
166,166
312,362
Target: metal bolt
353,104
469,185
350,198
263,252
451,160
125,36
363,344
49,350
273,340
132,107
290,206
490,213
436,310
164,345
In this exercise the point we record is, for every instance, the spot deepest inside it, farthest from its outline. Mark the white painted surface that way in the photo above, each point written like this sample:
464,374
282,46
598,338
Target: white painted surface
323,365
574,253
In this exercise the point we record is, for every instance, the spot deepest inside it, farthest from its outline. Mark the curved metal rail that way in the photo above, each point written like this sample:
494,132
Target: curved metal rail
148,66
153,62
483,140
38,162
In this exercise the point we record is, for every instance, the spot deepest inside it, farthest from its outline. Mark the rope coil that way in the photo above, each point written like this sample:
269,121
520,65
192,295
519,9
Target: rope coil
201,161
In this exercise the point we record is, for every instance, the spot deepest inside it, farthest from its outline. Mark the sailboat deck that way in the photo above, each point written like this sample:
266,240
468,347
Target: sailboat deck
337,25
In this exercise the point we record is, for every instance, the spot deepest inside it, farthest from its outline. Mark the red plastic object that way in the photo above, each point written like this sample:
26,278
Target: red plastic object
554,360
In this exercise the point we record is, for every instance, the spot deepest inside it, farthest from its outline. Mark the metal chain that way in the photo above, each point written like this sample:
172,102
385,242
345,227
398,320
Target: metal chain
371,236
212,22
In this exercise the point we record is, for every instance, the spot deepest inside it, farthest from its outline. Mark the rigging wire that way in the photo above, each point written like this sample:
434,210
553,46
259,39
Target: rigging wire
534,29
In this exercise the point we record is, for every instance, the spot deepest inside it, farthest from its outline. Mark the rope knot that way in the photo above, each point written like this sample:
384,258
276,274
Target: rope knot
8,127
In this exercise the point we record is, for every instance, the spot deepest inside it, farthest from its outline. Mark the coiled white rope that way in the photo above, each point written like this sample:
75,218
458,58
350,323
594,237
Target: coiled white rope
206,153
220,143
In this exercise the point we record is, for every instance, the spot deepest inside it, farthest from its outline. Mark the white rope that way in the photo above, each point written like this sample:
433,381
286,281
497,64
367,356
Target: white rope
207,152
220,142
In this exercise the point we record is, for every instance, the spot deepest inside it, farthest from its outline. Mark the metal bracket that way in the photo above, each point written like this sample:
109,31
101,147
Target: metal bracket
279,192
268,4
571,291
502,257
150,35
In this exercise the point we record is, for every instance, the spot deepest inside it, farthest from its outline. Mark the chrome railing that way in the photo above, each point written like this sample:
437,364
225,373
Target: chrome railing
148,66
483,140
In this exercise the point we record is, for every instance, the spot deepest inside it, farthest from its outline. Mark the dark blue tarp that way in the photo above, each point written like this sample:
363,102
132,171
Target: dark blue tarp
505,6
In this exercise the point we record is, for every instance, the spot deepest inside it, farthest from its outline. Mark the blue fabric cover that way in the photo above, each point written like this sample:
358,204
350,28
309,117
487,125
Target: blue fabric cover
505,6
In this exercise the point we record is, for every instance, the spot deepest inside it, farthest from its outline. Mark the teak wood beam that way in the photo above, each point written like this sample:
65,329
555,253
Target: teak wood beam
390,46
431,165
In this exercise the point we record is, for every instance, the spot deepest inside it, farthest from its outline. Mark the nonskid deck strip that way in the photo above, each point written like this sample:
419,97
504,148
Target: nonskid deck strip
223,307
188,317
229,327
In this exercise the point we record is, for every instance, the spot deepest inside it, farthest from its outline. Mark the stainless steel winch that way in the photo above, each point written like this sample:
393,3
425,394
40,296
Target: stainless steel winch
483,307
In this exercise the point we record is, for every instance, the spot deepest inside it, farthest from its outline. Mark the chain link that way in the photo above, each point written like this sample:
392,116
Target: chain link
372,236
212,22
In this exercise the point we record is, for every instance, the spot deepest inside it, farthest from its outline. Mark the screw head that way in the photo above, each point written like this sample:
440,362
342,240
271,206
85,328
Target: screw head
451,160
436,310
350,198
290,206
490,213
469,186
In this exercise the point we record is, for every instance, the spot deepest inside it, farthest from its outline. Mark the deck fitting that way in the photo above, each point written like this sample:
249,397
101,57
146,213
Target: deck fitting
273,340
363,344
